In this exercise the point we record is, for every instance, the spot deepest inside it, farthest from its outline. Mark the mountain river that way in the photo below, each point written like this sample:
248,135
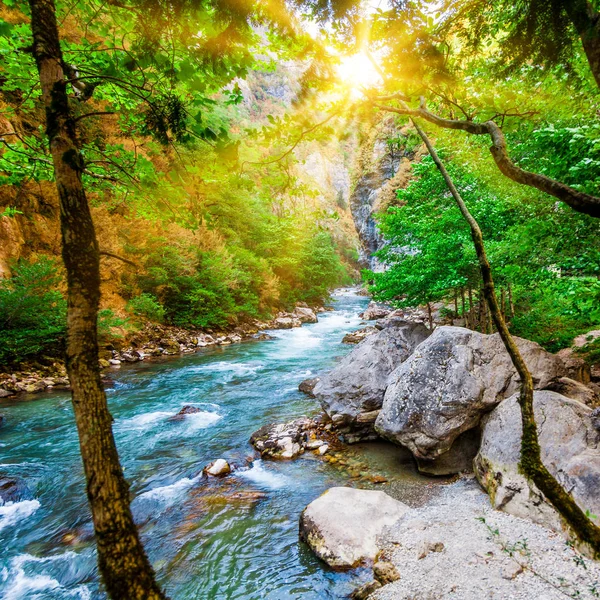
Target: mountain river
235,537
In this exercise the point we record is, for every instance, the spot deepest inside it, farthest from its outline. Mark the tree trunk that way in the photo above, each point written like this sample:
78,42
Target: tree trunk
471,324
455,304
125,569
510,301
531,463
463,304
503,303
430,316
586,21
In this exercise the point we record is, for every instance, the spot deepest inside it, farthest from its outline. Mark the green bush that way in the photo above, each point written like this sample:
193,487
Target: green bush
107,320
147,306
32,311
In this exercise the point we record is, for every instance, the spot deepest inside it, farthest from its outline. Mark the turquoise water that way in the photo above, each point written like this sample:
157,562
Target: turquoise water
235,537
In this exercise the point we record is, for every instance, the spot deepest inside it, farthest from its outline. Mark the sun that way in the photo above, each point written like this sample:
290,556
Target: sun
357,71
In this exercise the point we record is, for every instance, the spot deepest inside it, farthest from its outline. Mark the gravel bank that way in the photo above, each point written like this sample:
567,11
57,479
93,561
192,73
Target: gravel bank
444,550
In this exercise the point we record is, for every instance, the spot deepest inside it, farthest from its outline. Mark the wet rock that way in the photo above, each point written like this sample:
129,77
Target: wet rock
1,420
13,489
355,337
365,591
104,364
115,362
6,393
186,410
308,385
263,336
218,468
449,382
282,440
343,524
358,383
570,449
289,440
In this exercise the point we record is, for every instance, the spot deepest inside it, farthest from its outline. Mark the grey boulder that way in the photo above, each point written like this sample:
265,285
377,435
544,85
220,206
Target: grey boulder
343,526
569,448
449,382
358,383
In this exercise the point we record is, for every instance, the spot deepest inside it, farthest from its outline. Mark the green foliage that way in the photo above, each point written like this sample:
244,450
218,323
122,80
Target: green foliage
591,351
147,306
32,311
108,322
550,256
429,251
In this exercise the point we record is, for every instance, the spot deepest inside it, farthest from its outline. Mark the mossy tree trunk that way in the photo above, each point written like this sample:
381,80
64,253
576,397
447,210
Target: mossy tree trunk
124,566
531,462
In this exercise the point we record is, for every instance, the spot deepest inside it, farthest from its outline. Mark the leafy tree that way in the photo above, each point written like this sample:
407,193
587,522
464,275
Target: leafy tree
32,311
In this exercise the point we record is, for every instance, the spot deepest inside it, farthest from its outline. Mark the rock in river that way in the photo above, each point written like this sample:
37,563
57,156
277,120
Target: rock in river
570,448
13,489
218,468
354,389
449,382
342,526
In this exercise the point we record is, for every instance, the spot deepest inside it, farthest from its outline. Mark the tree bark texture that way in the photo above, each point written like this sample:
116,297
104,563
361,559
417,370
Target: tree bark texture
531,463
586,21
124,566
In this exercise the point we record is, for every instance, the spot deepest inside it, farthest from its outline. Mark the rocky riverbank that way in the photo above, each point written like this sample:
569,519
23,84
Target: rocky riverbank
450,397
455,546
151,342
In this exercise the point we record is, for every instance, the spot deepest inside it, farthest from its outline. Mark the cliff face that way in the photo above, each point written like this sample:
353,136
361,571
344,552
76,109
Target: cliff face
381,169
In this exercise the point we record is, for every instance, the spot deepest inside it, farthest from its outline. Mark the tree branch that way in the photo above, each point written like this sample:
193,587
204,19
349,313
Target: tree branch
578,201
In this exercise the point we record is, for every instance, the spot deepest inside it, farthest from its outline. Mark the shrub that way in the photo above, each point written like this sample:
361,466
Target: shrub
32,311
147,306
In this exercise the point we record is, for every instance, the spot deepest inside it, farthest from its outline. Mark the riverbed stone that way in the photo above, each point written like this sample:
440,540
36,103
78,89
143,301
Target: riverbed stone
218,468
305,314
449,382
13,489
285,440
570,450
358,383
343,525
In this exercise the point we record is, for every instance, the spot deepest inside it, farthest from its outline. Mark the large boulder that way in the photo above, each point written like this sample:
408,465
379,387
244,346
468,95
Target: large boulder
570,449
449,382
357,384
305,314
343,525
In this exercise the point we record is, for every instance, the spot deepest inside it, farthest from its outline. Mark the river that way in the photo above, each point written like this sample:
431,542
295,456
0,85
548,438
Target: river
235,537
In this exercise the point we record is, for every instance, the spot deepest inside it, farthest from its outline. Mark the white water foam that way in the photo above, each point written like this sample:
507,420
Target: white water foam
13,512
262,477
145,419
201,420
23,586
167,495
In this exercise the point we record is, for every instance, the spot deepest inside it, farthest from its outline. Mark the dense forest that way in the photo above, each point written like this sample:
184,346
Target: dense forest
211,167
